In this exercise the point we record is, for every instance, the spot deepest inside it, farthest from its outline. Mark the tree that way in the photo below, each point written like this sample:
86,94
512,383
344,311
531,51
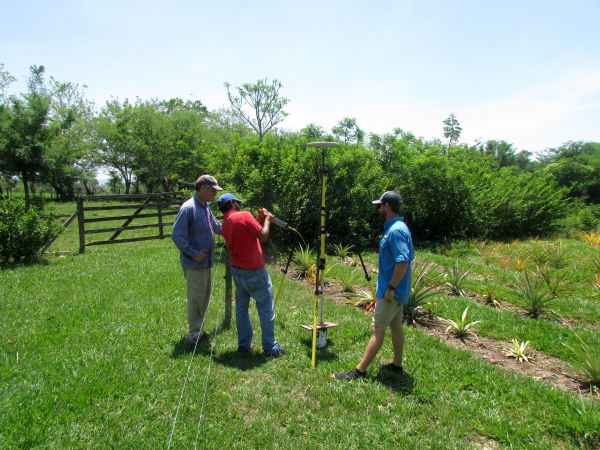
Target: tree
348,131
312,131
67,156
5,80
27,132
452,130
259,105
114,139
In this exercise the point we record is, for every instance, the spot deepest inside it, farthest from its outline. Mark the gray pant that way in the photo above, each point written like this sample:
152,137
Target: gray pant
198,296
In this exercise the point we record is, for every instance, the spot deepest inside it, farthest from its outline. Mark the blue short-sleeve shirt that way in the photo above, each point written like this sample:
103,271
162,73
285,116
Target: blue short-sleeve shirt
395,246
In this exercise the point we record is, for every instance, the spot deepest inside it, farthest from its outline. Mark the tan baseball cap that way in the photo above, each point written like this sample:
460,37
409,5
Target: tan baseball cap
208,181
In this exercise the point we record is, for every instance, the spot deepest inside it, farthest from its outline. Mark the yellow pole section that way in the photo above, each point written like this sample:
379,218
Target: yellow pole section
278,293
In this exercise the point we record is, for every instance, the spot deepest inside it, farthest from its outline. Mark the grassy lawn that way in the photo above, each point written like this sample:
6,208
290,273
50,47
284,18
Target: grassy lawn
91,356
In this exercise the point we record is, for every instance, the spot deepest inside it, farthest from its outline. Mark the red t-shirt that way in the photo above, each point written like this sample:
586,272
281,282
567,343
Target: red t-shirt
240,231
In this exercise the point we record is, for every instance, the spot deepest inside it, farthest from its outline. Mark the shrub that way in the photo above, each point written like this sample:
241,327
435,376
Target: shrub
23,233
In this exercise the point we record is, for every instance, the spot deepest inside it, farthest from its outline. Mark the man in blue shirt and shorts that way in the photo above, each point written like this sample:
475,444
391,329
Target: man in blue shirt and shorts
396,253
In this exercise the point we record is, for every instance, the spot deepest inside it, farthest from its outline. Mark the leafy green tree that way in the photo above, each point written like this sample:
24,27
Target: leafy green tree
452,130
114,140
259,105
5,80
27,133
348,131
5,118
313,131
576,166
505,154
67,158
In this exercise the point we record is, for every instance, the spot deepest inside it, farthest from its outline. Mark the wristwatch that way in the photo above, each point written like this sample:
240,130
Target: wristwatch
391,288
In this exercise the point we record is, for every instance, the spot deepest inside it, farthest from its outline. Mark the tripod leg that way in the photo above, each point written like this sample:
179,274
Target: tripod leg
285,271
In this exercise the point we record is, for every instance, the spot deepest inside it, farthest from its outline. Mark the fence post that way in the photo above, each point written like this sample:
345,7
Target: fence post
161,231
80,219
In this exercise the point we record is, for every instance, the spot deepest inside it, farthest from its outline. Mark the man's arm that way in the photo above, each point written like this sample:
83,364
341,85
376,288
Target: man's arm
180,236
263,234
215,224
397,275
399,249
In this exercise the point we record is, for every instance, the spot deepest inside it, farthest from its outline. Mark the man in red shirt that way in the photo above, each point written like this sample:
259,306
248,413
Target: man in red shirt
243,235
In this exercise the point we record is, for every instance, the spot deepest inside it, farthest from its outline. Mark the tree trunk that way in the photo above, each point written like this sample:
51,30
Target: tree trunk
26,189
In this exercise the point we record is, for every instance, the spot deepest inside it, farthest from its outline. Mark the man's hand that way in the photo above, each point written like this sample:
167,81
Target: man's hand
201,257
389,295
263,213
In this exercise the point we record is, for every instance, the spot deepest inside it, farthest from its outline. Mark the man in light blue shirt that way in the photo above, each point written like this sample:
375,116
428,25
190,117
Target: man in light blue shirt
193,234
396,253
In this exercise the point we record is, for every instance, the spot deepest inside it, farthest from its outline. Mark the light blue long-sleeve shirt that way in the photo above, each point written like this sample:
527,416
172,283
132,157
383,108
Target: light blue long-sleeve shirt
193,231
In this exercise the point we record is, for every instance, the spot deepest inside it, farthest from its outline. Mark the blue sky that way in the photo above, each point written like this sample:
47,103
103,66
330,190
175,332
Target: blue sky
527,72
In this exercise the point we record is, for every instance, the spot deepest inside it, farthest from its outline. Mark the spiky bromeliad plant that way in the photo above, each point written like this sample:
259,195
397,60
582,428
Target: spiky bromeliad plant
555,283
349,277
342,251
487,252
587,361
304,259
422,289
460,327
535,298
518,350
557,255
454,279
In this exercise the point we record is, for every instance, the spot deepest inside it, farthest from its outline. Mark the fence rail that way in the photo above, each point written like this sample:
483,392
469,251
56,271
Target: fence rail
160,201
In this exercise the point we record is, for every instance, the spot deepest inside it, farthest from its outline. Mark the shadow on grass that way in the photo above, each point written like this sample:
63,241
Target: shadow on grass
241,361
403,384
37,261
323,354
183,347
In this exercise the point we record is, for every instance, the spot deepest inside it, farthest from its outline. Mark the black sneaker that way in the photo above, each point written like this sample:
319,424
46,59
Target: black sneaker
244,350
275,353
391,367
350,375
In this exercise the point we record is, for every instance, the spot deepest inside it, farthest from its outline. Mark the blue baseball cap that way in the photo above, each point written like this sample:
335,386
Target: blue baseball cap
227,197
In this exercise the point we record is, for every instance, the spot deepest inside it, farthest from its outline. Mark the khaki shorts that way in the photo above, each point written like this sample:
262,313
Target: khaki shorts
386,312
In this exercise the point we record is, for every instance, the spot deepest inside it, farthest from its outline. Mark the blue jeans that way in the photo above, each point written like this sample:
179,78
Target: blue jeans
255,284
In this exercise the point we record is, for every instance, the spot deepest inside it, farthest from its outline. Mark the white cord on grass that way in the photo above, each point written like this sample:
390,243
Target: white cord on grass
187,376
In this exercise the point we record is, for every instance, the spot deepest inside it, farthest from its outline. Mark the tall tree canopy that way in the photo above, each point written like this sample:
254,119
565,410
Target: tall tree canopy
259,105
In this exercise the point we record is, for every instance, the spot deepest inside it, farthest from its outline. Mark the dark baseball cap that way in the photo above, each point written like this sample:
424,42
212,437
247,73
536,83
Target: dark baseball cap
227,197
389,197
207,180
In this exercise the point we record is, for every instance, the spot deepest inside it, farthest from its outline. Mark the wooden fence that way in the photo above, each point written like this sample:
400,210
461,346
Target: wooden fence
161,202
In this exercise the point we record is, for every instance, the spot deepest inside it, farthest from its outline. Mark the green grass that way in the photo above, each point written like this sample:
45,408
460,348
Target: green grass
100,364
